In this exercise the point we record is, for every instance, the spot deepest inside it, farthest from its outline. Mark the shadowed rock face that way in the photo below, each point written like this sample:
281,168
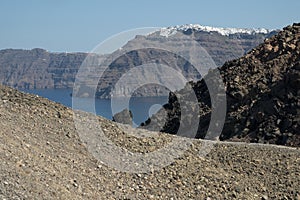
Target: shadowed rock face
39,69
124,117
262,90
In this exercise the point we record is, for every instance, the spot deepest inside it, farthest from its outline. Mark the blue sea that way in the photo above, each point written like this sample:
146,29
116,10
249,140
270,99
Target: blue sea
141,107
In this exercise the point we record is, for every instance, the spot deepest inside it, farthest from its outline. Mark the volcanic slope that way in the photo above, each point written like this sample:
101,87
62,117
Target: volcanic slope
42,157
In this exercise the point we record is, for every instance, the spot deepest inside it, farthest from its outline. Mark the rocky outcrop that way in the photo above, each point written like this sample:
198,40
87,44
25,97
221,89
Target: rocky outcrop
124,117
262,90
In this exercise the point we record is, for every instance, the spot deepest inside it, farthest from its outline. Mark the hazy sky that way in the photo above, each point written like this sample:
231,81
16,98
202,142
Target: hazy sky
79,25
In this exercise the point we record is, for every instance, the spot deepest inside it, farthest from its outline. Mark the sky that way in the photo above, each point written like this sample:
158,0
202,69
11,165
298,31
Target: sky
80,25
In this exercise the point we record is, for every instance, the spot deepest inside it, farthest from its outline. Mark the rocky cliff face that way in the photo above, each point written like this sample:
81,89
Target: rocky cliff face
262,90
220,46
37,68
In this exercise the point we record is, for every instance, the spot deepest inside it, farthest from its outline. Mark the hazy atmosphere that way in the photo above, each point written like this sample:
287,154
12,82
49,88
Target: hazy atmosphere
80,25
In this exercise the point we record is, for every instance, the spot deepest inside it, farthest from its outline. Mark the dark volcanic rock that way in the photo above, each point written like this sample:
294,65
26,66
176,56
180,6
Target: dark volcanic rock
262,90
124,117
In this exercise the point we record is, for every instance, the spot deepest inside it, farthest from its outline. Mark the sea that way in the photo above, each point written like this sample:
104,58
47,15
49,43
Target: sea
141,107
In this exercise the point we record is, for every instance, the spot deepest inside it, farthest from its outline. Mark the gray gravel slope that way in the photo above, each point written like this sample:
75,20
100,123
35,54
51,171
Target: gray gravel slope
42,157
